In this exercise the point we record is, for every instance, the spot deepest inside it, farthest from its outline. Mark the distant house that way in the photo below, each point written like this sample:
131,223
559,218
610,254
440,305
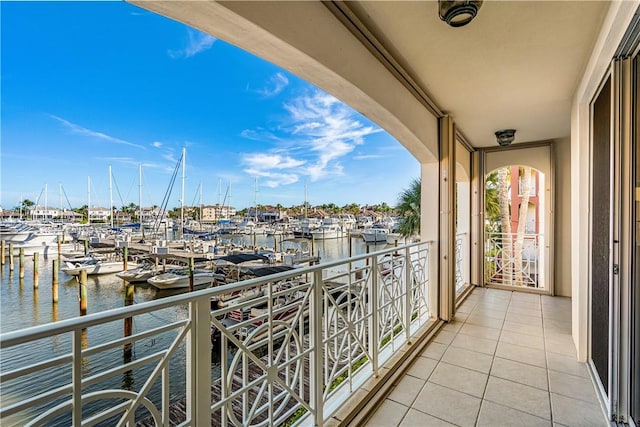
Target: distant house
44,212
99,214
70,216
214,213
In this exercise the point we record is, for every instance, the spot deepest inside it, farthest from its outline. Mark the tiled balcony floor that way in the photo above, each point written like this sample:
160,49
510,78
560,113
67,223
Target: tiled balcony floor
507,360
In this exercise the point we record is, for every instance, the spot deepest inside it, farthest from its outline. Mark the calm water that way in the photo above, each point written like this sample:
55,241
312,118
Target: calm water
21,306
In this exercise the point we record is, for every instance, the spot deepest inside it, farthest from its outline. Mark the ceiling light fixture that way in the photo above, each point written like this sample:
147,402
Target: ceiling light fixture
458,13
505,137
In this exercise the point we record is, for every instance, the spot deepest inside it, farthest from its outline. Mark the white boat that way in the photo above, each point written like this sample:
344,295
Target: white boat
329,229
96,266
140,274
375,234
393,238
176,279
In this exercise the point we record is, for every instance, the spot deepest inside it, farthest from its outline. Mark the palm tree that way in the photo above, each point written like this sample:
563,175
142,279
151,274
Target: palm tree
409,209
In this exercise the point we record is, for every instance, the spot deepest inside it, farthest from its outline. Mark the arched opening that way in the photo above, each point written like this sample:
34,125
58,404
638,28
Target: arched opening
515,227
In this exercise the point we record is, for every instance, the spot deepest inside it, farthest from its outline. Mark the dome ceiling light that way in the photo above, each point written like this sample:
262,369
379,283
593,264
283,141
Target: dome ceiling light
458,13
505,137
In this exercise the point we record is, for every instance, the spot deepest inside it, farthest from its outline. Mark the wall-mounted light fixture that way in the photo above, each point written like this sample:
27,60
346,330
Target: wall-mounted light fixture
505,137
458,13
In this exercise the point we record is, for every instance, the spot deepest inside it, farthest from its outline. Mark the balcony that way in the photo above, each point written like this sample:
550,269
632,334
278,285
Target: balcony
341,342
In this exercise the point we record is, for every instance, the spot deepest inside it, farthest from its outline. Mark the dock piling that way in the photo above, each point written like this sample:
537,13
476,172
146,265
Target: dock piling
36,269
10,256
82,292
191,267
21,264
2,254
54,283
125,255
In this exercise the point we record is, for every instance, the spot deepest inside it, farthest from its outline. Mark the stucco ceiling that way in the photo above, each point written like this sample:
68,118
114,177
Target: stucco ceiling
516,65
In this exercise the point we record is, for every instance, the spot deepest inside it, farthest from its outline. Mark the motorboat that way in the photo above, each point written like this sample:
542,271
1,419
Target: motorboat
329,229
179,278
375,234
94,265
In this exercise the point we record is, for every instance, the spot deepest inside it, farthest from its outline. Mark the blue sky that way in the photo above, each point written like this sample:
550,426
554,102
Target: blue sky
86,85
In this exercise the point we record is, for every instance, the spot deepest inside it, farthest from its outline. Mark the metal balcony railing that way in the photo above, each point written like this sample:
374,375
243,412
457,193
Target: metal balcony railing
513,262
285,349
462,241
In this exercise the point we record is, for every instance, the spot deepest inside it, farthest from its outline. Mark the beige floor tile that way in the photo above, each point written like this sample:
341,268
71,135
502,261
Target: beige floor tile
460,317
520,373
521,354
558,326
444,337
420,419
434,350
489,312
461,379
573,412
470,342
518,396
493,415
572,386
332,422
530,341
522,328
531,305
566,347
406,391
390,413
522,318
453,326
567,364
466,307
480,331
485,321
422,368
523,296
524,311
493,305
450,405
468,359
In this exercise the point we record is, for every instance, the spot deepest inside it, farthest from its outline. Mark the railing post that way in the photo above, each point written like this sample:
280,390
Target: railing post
374,326
76,379
316,381
408,293
199,363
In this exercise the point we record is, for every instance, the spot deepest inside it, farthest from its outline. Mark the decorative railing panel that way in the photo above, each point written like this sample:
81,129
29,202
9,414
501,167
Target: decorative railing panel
513,261
284,349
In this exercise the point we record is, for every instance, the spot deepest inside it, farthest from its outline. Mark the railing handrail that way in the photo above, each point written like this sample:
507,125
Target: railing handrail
9,339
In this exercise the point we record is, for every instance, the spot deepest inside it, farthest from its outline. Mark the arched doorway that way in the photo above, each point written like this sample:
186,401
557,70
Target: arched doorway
517,222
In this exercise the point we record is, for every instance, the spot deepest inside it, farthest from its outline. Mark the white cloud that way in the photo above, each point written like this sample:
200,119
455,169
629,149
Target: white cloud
262,161
156,144
274,85
320,130
196,43
328,128
368,156
258,134
77,129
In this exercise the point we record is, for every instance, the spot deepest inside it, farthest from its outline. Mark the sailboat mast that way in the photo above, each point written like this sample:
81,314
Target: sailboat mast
88,200
182,196
110,197
200,205
305,199
140,195
255,198
219,214
46,196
